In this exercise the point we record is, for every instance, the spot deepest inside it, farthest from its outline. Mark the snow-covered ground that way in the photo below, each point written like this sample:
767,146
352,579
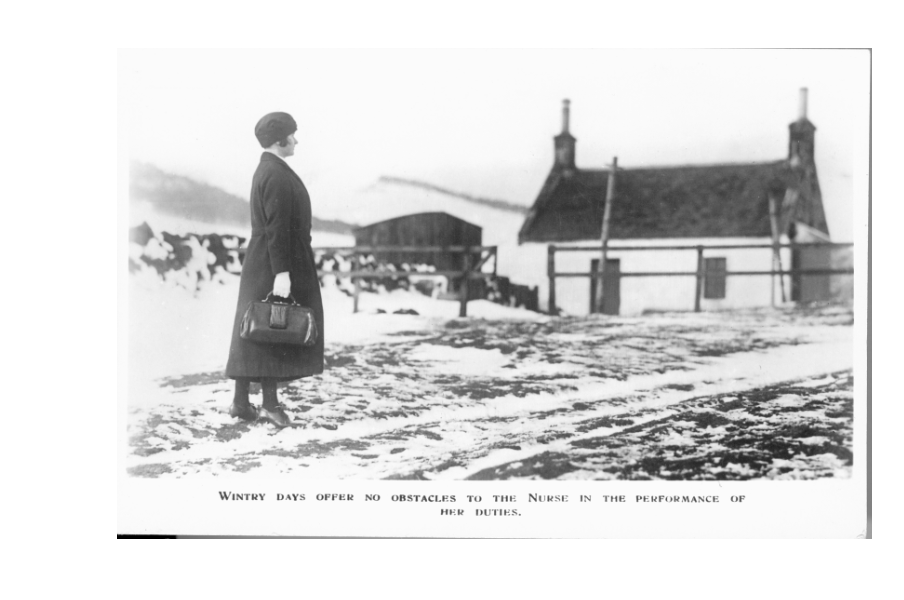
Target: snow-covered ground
502,393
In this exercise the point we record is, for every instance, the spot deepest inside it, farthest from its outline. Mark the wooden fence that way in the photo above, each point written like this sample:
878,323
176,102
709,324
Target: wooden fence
472,268
698,274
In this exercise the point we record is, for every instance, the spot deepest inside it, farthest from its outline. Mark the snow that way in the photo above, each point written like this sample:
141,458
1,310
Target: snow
675,438
789,400
325,239
461,361
174,332
436,396
143,212
815,382
816,440
425,306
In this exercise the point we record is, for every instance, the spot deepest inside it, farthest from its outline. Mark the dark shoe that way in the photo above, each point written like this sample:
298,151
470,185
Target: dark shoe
245,412
276,415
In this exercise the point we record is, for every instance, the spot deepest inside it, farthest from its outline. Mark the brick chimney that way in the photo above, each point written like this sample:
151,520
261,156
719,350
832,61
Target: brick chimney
802,136
564,142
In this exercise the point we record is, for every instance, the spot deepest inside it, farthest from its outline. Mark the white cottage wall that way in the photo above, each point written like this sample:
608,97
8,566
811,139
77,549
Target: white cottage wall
525,264
639,294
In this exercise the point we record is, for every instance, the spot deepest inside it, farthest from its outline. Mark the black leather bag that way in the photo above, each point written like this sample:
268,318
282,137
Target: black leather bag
271,322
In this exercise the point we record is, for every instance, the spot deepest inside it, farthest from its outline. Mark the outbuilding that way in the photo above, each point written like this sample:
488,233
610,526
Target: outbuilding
430,229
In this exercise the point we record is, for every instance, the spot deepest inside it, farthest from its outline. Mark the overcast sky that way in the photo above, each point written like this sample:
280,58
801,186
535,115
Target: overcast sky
482,121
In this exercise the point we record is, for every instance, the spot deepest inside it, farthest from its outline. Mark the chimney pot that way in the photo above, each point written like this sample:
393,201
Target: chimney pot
803,104
565,115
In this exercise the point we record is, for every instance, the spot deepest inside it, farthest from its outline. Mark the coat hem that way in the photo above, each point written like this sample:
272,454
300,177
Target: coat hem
258,378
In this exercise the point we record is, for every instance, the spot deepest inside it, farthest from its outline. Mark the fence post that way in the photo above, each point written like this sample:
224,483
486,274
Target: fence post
699,278
551,273
795,279
463,307
356,265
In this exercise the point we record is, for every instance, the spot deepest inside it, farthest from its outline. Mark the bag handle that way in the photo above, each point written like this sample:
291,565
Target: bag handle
291,297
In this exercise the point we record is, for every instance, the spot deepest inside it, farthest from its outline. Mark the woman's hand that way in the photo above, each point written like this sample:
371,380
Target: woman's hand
282,285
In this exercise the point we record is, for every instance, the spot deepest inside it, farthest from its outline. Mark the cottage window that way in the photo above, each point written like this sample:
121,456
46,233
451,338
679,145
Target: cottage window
714,278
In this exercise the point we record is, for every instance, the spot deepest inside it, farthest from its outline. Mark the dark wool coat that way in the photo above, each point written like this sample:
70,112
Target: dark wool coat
280,241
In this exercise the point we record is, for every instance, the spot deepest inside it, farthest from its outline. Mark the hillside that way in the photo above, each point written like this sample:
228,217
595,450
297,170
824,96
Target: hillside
489,202
175,197
391,197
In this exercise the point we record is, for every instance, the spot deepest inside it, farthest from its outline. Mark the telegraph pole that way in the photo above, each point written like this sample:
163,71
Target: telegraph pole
776,252
604,235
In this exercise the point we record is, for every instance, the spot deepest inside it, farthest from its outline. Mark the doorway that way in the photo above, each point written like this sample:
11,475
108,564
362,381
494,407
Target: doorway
611,285
810,288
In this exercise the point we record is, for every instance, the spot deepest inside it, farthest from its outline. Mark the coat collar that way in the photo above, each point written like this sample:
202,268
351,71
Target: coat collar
269,157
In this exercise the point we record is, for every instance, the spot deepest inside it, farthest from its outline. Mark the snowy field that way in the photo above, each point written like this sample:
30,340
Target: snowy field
504,393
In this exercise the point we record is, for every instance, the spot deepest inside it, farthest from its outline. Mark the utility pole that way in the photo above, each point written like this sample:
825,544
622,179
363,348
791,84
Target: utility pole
776,253
604,235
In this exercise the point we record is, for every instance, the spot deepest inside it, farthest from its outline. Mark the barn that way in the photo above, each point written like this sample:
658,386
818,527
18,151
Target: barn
721,206
424,229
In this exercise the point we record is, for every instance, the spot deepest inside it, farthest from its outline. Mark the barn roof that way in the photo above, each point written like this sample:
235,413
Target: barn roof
724,200
424,216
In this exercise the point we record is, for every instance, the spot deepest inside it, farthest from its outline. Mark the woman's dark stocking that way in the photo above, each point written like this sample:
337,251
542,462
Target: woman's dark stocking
242,387
271,400
241,405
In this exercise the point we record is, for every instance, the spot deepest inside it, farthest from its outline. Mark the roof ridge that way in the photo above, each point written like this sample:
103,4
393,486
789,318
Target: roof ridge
688,166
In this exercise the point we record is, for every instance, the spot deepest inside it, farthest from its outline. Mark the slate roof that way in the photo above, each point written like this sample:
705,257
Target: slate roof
726,200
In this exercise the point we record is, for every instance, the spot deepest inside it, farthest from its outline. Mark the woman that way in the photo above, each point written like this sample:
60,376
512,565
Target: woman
280,261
